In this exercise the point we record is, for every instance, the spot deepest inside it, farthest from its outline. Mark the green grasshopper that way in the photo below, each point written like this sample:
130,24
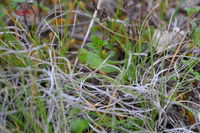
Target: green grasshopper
94,61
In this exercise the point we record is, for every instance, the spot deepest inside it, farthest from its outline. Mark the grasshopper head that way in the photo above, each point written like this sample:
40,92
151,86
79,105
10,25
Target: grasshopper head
82,55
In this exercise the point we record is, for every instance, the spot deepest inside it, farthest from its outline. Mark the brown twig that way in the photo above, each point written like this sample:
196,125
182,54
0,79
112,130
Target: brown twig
176,52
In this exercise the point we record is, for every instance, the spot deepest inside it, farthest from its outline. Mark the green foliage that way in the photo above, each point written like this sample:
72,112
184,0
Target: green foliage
74,111
192,70
197,36
162,9
43,7
1,12
79,125
196,74
190,11
195,30
195,33
129,123
97,46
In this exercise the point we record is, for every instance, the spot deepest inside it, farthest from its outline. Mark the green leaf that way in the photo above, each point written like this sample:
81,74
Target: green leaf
196,74
197,36
93,47
1,12
190,11
43,7
95,39
97,42
79,125
97,45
